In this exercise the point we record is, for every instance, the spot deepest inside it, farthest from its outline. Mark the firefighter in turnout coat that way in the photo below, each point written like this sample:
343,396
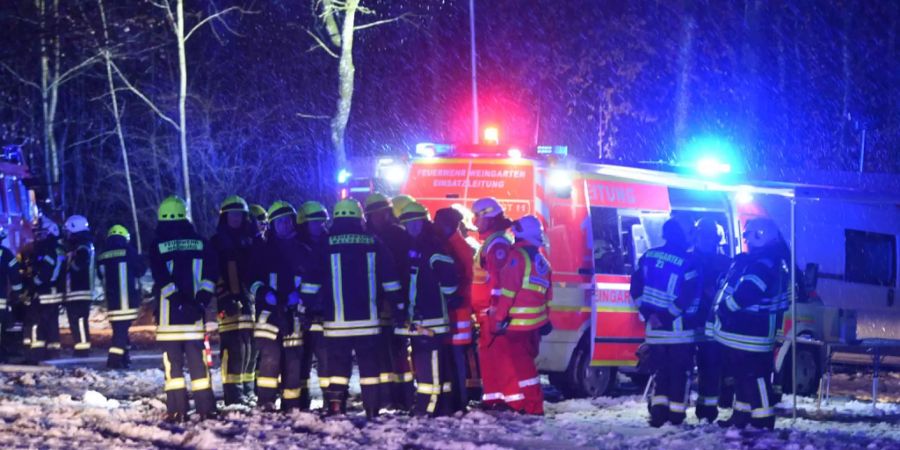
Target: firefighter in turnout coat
120,268
489,260
434,286
665,288
313,221
355,270
47,282
713,264
236,312
281,266
748,308
80,273
520,315
397,389
183,266
10,288
448,223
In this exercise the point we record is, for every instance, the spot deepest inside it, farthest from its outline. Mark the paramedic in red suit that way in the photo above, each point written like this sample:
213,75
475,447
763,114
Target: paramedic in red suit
489,260
520,315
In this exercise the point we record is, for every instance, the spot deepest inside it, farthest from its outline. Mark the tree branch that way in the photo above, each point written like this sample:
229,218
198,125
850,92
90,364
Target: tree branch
213,17
142,96
312,116
67,75
321,45
19,77
381,22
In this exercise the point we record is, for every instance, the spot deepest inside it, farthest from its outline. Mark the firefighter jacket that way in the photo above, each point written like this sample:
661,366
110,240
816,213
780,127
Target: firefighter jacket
525,290
234,250
397,242
319,249
10,278
80,268
461,316
47,271
752,301
665,285
712,271
489,259
183,266
120,269
281,264
433,286
353,271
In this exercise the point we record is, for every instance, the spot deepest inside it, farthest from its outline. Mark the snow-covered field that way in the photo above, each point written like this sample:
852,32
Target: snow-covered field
86,408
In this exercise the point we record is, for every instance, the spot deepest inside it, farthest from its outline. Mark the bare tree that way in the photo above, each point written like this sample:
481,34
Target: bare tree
107,56
339,19
177,22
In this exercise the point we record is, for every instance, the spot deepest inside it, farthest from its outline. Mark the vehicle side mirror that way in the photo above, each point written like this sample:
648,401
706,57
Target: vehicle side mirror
811,277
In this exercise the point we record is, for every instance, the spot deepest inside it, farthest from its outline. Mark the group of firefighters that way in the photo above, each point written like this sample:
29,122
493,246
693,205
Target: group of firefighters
382,284
431,318
698,304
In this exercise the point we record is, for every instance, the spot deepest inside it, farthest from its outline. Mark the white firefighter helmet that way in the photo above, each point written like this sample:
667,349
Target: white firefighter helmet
487,207
529,228
76,224
48,226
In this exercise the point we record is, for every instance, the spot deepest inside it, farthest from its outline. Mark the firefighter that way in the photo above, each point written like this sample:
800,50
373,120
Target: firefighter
519,315
313,222
436,279
236,312
281,265
80,272
48,284
399,202
713,264
260,219
183,267
747,308
120,269
354,271
449,223
492,227
664,287
396,373
10,288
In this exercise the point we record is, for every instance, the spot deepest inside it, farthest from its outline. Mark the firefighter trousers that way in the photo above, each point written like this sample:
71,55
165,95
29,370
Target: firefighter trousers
248,377
177,354
709,379
493,359
313,350
432,361
48,330
672,365
234,354
396,387
339,366
119,346
753,387
78,313
522,383
280,360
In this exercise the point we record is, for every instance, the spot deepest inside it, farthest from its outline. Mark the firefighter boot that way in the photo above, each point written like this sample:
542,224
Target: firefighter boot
738,419
707,412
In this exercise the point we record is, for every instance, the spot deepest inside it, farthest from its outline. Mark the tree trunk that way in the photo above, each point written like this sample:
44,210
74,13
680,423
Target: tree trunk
346,73
48,147
182,98
119,134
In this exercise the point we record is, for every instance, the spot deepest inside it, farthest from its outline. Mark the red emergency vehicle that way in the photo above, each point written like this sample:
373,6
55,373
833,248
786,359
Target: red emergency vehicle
18,206
599,219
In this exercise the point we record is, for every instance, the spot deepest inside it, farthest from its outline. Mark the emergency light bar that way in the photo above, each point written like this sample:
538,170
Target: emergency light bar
431,150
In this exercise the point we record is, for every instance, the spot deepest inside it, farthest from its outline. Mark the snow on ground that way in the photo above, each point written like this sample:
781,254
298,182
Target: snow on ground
88,409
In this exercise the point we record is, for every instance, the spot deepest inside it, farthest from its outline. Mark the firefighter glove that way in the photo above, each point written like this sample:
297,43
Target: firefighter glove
271,299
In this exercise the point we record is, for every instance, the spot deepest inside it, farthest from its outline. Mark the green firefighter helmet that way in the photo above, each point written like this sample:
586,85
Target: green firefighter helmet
172,208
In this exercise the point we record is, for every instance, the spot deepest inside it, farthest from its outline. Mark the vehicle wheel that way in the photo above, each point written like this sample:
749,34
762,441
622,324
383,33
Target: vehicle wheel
639,379
581,379
808,372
